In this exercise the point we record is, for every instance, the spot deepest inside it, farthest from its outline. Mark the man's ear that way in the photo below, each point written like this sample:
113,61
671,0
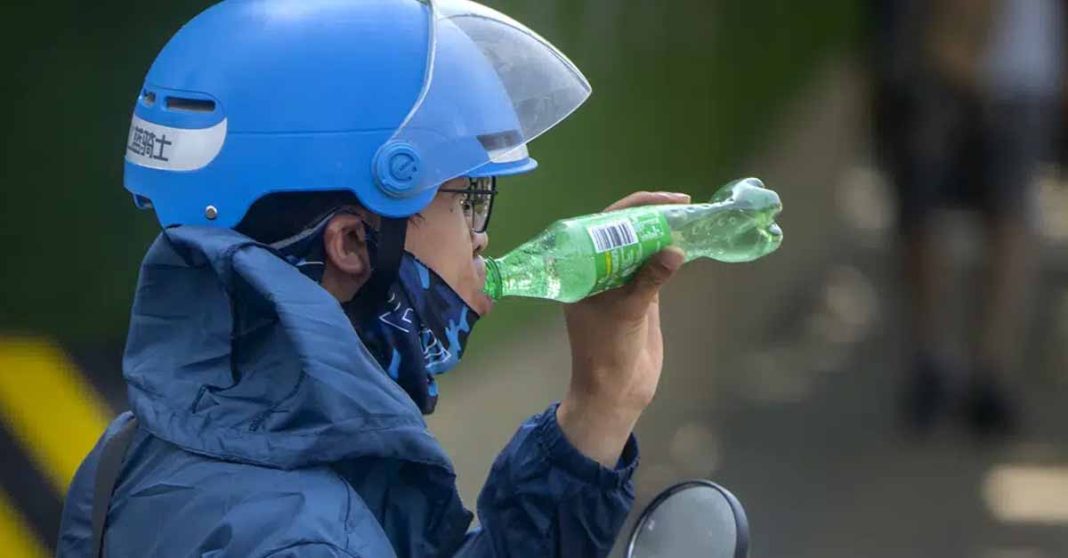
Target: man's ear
347,265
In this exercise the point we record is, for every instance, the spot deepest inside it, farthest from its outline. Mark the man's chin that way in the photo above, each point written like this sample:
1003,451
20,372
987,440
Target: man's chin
482,305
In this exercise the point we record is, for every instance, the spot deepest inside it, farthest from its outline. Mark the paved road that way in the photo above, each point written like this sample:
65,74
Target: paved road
779,378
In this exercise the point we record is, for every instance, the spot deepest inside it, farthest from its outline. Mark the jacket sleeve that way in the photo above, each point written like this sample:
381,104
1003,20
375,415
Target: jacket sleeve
545,499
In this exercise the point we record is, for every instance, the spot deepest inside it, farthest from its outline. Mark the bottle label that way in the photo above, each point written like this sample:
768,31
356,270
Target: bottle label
622,241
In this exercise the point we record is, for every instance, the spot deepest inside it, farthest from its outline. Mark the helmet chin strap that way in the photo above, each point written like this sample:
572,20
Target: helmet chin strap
392,232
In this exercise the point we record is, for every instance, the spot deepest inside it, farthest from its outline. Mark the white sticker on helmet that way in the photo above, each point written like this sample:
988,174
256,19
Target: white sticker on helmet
176,149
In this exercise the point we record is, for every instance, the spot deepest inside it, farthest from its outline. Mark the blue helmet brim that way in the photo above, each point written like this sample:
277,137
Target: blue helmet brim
511,168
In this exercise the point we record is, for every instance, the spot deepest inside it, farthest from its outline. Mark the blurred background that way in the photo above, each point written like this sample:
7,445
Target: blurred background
890,383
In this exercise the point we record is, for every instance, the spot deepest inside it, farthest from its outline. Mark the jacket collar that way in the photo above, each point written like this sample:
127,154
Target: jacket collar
233,353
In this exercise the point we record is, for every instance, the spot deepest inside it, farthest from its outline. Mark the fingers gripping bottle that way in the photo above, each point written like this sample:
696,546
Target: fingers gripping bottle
582,256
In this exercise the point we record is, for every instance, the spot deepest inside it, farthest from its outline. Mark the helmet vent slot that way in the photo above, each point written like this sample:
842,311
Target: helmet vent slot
148,97
183,104
142,202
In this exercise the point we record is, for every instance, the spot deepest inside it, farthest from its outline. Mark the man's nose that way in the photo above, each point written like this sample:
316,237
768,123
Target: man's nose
479,241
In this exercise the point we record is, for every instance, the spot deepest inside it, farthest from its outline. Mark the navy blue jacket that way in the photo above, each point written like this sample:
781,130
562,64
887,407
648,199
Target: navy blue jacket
267,429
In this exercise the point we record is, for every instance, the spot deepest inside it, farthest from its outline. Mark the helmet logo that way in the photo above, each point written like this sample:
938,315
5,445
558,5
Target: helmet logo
397,168
175,149
145,142
402,166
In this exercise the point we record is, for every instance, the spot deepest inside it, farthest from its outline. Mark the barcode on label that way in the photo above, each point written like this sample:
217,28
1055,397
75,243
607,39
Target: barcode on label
612,235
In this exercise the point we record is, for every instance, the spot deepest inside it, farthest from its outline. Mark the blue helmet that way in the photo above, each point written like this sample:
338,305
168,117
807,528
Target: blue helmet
384,98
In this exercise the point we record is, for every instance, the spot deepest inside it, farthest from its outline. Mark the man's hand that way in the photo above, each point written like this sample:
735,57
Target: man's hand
617,351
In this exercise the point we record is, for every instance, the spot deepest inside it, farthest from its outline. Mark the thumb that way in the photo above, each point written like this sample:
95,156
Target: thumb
656,271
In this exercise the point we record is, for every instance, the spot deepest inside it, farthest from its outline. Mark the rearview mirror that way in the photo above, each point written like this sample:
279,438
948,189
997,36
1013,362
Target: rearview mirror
693,519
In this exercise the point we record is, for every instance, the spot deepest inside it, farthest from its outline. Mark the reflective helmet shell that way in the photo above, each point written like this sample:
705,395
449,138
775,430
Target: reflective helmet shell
253,97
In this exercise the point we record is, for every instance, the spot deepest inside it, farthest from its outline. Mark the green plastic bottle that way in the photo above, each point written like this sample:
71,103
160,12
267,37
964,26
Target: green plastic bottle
582,256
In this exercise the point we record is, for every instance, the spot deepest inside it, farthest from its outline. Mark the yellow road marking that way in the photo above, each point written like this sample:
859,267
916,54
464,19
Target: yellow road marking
49,407
16,538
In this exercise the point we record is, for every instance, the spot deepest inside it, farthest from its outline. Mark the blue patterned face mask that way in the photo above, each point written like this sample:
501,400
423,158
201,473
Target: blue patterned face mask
417,331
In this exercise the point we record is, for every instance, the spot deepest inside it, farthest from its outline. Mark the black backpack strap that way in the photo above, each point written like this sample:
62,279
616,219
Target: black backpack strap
107,473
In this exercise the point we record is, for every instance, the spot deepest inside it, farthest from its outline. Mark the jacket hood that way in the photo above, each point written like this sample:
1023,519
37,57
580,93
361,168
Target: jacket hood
233,353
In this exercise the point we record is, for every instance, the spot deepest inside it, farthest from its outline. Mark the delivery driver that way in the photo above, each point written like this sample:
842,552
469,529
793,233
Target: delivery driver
324,172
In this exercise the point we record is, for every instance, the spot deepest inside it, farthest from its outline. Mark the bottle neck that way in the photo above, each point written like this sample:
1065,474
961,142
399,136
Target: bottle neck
492,287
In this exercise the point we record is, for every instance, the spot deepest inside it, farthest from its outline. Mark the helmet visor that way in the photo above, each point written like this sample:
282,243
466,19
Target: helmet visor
491,86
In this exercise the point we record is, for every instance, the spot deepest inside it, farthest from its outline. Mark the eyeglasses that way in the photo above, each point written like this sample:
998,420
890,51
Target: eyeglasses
478,201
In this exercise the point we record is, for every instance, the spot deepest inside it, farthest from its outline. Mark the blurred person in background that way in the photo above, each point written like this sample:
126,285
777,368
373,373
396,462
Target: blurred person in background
967,101
324,172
